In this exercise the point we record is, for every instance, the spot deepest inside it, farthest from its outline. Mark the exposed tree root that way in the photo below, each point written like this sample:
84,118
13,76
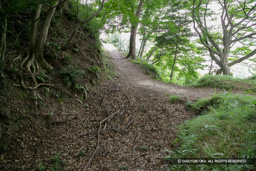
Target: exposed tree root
18,57
30,64
35,87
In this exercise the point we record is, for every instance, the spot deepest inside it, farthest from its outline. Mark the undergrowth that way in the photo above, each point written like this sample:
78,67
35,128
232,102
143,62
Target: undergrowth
174,98
149,69
227,83
225,129
110,73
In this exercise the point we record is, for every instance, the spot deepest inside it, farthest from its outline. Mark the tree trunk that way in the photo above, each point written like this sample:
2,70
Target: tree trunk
62,6
152,52
34,28
143,47
66,45
43,36
158,57
132,48
210,70
224,56
173,64
143,38
225,68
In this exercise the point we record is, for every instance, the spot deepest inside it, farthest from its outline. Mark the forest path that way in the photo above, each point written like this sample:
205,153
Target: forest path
133,75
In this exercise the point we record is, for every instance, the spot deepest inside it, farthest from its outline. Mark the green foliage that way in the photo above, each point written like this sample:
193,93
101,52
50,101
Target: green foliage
80,12
226,130
95,70
40,167
58,164
252,77
109,68
149,69
117,40
43,76
215,81
227,82
67,57
71,75
56,49
240,45
174,98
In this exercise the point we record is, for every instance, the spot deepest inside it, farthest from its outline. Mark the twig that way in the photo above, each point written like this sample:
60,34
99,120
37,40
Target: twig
71,96
129,124
98,138
107,129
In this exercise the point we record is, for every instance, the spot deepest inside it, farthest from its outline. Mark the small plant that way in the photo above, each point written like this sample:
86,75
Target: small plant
50,115
174,98
135,61
149,69
43,76
40,167
67,57
81,153
109,69
94,69
58,164
56,49
71,75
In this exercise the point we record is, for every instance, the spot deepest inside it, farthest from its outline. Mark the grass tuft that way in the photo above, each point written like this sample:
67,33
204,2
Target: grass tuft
227,83
226,130
149,69
174,98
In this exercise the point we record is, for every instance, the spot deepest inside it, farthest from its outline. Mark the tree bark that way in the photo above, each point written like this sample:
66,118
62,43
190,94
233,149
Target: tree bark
73,34
143,38
67,44
225,68
152,52
143,47
210,70
43,36
34,28
174,61
132,47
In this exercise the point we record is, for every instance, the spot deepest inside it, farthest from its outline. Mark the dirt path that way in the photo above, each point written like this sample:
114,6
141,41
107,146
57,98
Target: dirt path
66,140
134,76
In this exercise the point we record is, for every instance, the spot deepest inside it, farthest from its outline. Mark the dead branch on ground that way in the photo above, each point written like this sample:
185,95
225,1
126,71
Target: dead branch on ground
98,136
